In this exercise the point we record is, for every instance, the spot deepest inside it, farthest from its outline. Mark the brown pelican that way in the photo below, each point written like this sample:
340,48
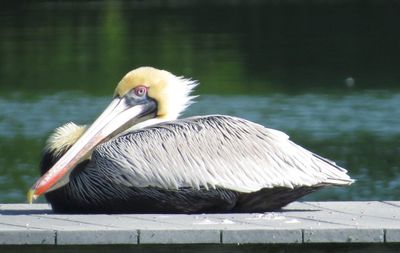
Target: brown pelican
137,157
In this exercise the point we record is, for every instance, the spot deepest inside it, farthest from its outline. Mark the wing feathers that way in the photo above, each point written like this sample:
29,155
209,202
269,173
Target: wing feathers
214,151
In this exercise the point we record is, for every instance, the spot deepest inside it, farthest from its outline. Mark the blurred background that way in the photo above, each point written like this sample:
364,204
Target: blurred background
325,72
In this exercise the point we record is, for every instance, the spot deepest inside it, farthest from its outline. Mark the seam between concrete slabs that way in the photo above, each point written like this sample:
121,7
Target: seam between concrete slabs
351,213
384,235
322,221
390,204
74,221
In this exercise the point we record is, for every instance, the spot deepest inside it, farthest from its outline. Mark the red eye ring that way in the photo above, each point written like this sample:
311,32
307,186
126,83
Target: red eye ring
140,91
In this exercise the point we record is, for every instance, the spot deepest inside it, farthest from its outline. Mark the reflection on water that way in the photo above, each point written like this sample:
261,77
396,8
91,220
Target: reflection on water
232,49
326,74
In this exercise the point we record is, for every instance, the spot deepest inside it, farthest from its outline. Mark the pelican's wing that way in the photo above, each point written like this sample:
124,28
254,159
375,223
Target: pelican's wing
213,151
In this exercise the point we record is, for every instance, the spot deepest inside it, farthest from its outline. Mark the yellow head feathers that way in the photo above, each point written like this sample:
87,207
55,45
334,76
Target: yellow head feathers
171,93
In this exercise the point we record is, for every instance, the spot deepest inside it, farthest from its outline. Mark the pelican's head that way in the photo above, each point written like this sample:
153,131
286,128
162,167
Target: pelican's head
171,93
144,96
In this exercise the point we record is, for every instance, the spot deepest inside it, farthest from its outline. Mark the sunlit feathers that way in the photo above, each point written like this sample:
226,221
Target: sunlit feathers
64,137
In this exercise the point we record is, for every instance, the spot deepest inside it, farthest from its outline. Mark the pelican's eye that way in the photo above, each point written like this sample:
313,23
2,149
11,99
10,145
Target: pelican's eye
140,91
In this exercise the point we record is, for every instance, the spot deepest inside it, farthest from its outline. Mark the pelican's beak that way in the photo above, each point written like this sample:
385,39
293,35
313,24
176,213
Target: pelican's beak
117,117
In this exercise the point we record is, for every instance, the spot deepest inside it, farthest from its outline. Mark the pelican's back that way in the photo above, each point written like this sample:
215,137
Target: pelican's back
216,152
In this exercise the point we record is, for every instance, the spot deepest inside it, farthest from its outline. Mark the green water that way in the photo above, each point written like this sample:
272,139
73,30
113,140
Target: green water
326,74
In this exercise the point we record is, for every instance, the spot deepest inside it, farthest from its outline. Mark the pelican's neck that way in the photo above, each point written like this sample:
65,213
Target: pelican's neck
147,123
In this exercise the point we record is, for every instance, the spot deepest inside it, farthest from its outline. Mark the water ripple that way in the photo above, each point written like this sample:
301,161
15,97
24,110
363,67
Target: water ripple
316,114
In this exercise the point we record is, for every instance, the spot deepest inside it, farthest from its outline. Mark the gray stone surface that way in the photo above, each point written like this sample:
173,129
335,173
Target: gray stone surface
98,236
178,236
10,235
299,222
345,235
392,235
272,236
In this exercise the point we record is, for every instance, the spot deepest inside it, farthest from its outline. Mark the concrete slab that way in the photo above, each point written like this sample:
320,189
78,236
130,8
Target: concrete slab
262,236
177,236
345,235
392,235
16,235
300,222
97,236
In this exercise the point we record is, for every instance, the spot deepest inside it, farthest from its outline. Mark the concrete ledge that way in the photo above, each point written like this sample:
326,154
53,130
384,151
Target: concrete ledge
179,236
303,223
392,235
262,236
90,237
27,237
343,235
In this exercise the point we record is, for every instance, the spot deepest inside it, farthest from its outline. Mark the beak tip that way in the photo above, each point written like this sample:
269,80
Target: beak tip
31,196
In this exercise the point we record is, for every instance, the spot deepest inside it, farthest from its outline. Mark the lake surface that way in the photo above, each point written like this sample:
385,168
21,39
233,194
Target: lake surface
326,74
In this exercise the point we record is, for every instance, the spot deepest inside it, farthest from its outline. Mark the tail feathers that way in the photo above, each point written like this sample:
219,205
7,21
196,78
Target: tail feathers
338,181
338,175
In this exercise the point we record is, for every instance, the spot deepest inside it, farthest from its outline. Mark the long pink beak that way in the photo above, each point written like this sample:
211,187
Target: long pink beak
117,117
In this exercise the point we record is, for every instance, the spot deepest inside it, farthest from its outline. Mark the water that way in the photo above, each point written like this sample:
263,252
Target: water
326,74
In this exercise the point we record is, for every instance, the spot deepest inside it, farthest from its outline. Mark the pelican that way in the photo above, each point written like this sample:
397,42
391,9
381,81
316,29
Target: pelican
138,157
